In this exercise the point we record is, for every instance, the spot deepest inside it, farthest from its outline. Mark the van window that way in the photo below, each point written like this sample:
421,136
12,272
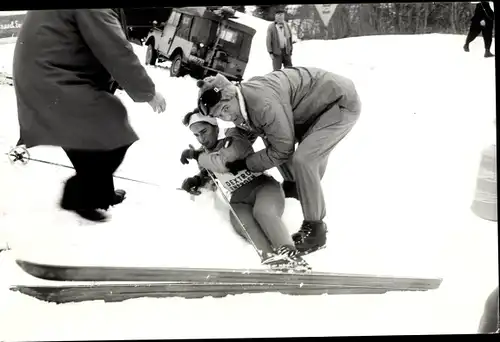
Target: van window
174,19
185,26
202,30
228,35
235,43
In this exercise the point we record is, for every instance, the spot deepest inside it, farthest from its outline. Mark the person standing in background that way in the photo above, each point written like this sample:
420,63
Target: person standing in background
482,22
67,66
279,41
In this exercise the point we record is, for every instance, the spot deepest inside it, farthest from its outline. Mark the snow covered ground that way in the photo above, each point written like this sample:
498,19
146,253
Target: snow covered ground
398,190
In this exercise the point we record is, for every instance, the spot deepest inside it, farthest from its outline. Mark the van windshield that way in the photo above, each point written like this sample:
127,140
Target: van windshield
235,43
203,30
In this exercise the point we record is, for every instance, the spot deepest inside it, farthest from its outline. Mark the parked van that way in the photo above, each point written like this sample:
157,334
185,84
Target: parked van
201,42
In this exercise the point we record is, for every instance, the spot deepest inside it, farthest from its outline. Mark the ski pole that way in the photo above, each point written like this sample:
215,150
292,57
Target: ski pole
259,252
24,156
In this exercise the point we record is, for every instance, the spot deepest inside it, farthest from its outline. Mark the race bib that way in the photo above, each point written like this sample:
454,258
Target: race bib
233,183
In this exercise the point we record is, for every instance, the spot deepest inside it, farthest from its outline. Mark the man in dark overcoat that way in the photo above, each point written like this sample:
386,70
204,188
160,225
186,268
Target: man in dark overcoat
67,65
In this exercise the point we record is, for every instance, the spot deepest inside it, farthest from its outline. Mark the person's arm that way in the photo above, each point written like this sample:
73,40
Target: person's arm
103,33
269,39
236,146
280,137
203,176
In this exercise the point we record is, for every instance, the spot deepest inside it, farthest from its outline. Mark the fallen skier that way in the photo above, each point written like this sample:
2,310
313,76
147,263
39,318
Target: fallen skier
256,198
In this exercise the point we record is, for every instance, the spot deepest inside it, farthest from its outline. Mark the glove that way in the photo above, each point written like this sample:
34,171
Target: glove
191,185
236,166
189,153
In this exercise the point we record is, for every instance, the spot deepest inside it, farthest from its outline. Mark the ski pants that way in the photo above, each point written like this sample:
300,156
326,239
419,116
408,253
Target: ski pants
92,186
260,210
486,31
309,161
490,320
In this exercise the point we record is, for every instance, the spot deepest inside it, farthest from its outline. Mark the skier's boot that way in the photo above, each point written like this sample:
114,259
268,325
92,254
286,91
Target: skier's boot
311,237
488,54
282,254
286,258
119,197
466,47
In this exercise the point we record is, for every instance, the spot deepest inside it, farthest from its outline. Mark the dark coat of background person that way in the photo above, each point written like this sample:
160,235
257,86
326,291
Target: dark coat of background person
484,12
66,65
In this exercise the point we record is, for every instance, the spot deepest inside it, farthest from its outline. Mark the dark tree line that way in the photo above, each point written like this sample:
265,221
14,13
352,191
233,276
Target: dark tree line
351,20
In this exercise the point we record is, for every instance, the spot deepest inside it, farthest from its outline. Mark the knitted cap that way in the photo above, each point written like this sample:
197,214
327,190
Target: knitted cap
213,89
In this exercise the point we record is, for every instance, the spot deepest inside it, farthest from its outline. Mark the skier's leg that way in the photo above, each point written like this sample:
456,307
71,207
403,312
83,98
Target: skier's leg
309,164
252,227
474,31
268,210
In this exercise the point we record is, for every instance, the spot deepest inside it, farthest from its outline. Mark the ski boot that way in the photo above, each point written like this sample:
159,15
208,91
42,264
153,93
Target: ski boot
310,238
286,259
466,48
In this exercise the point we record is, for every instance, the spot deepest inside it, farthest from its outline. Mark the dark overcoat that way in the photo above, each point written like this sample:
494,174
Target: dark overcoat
66,66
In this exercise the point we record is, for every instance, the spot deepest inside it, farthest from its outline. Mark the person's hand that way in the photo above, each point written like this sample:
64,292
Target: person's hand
189,153
271,54
158,103
482,23
191,185
236,166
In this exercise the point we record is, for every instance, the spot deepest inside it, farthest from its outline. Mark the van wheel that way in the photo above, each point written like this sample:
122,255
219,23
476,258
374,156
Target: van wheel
151,55
176,68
